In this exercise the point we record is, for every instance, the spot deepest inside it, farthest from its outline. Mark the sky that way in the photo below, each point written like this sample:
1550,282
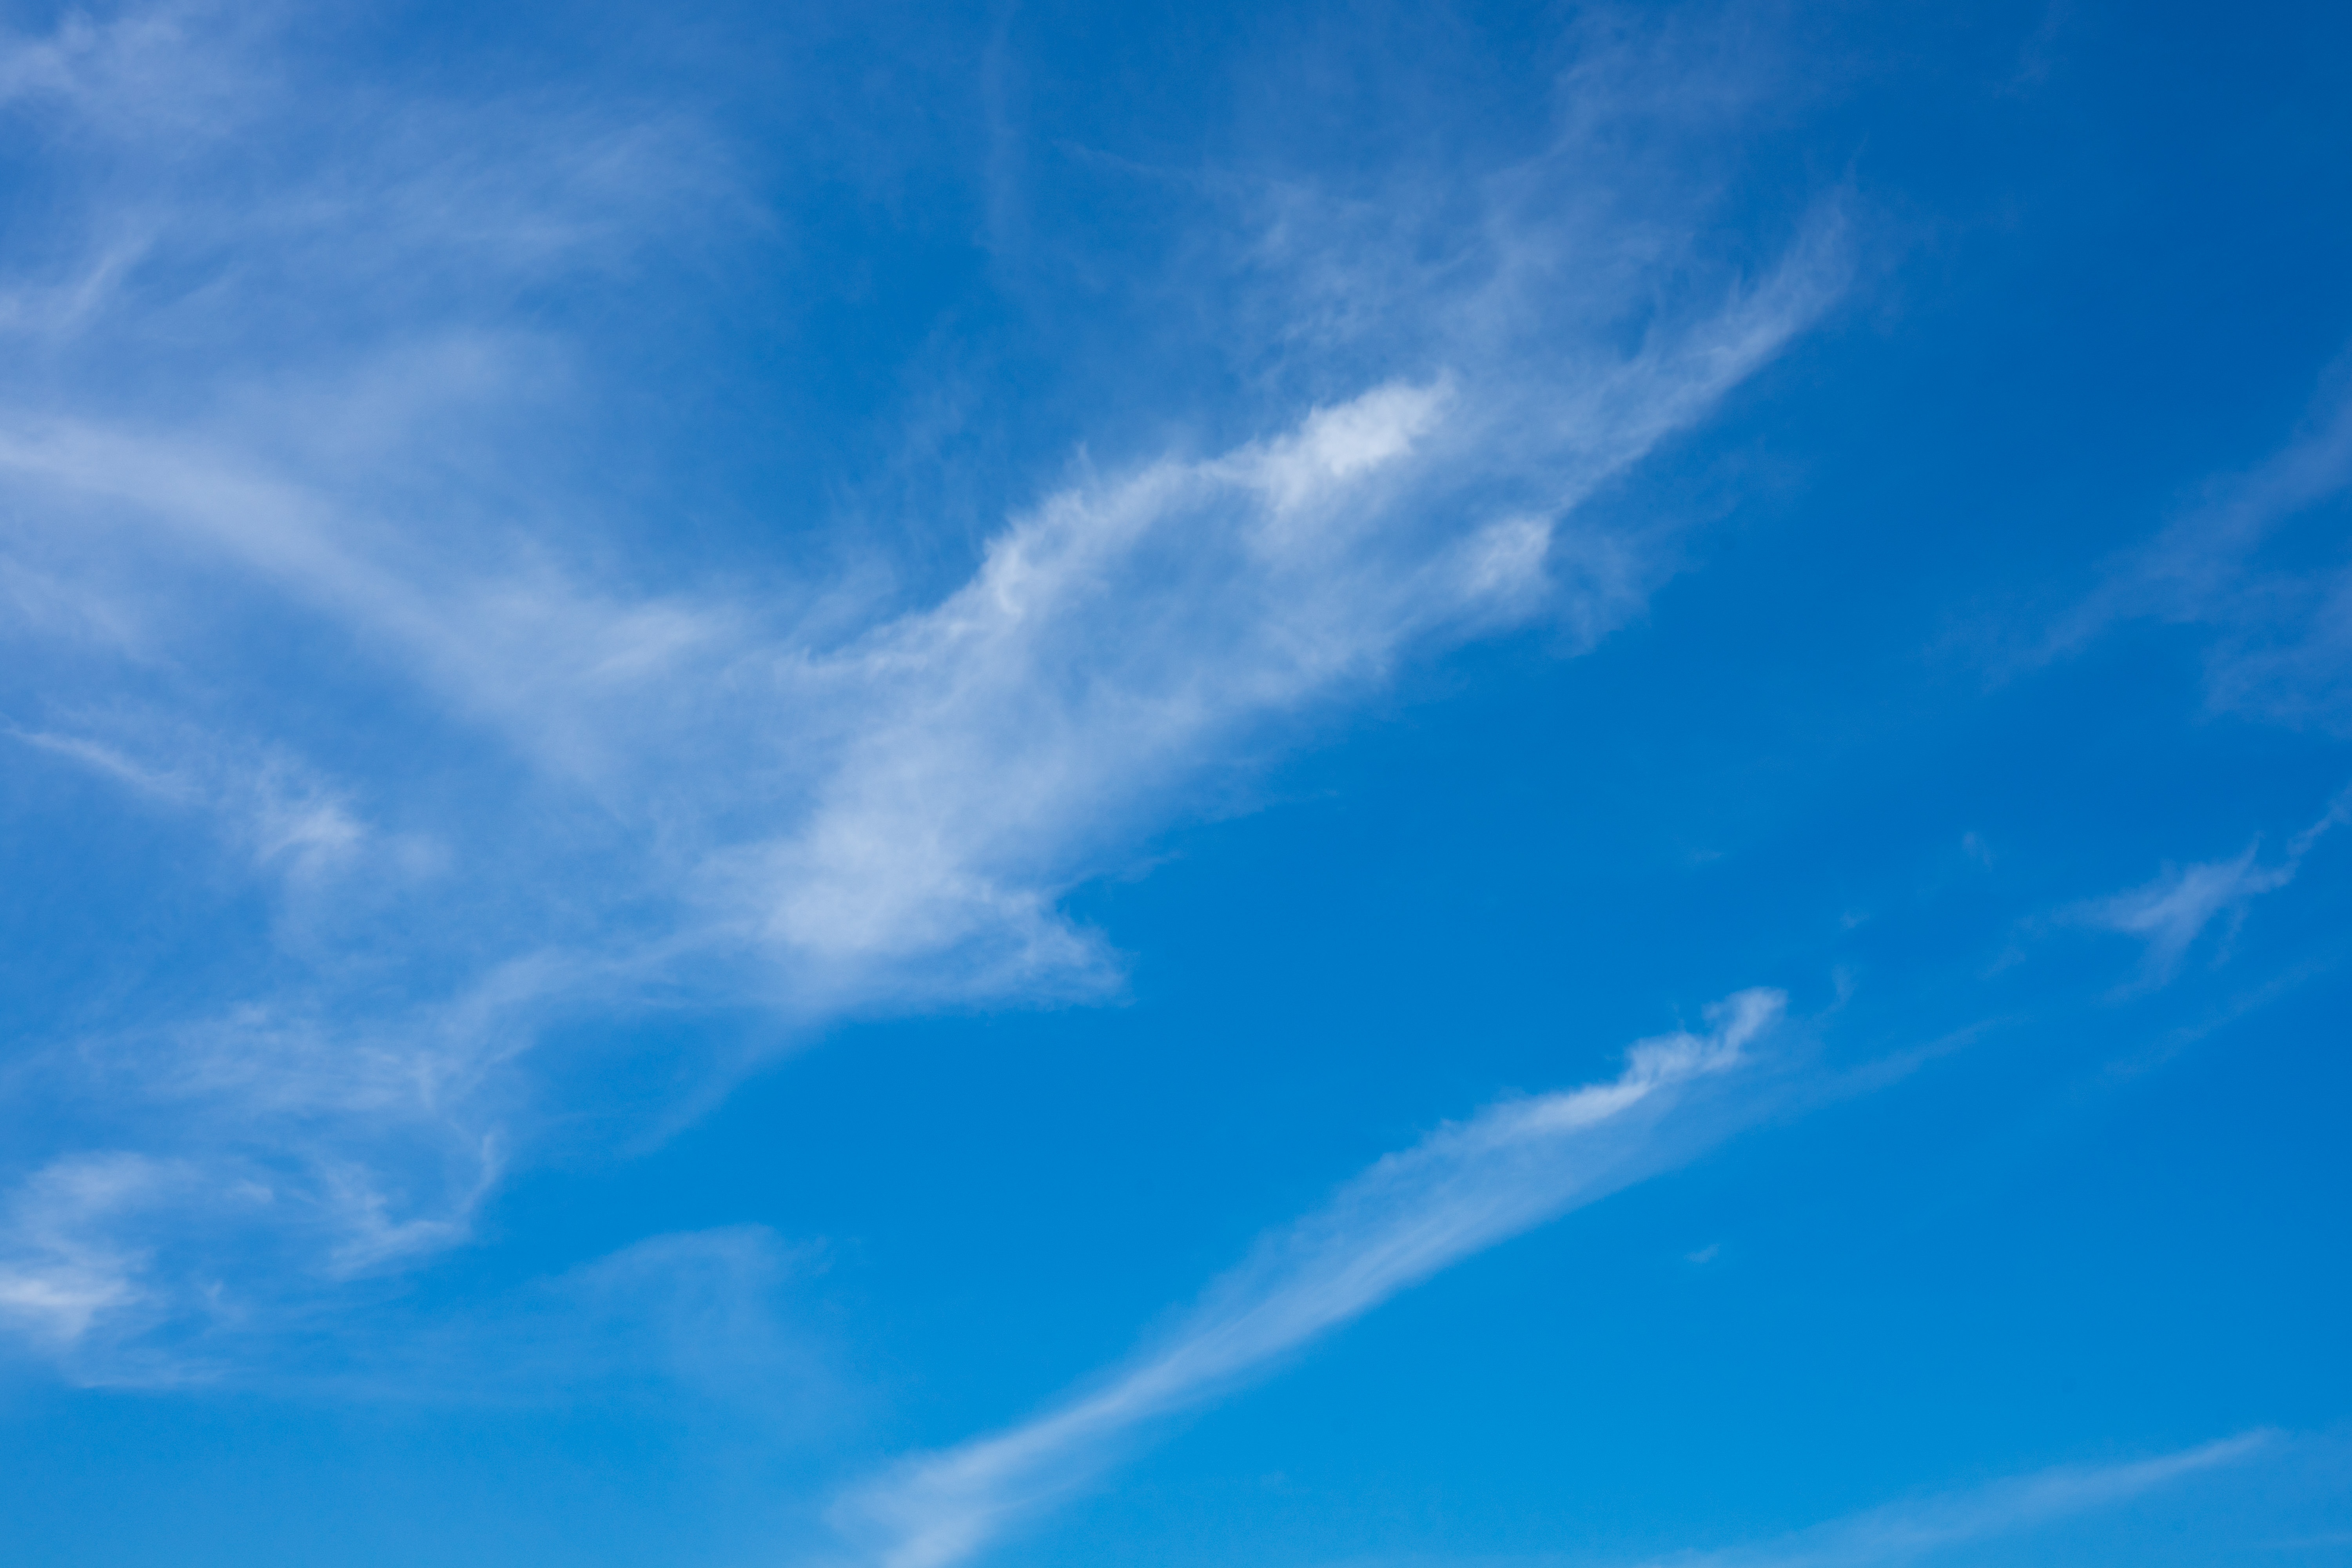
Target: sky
1304,785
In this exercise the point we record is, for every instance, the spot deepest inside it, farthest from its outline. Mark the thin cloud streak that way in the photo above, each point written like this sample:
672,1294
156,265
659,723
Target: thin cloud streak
2171,911
1909,1531
1926,1527
2282,633
1464,1188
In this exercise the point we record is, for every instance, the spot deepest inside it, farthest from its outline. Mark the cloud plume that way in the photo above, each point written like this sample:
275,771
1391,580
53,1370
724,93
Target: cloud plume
319,567
1462,1189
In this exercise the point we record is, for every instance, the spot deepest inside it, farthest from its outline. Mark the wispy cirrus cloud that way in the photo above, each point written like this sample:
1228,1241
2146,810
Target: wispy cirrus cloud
2173,909
1927,1528
2279,618
288,822
710,1314
1460,1191
581,794
1944,1526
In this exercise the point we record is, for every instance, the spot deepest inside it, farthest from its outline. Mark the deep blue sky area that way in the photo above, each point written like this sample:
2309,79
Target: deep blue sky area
1299,786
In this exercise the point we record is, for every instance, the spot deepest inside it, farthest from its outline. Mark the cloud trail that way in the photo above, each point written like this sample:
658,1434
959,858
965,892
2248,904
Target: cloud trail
1934,1527
1462,1189
2281,629
1911,1532
317,559
2171,911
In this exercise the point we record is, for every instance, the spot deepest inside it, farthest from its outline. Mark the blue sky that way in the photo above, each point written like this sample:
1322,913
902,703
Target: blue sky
1310,786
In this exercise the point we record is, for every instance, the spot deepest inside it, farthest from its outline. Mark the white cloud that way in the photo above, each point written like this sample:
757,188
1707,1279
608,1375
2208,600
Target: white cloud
2171,911
1462,1189
57,1270
1918,1531
2281,631
707,1311
1999,1520
270,807
230,169
520,787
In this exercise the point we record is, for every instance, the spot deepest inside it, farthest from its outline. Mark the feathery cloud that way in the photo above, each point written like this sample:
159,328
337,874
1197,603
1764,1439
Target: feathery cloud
2281,633
2171,911
506,795
1915,1530
1462,1189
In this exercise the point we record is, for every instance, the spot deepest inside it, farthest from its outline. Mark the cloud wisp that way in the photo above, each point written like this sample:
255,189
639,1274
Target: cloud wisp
512,790
2281,626
1942,1526
1464,1188
2172,911
1921,1529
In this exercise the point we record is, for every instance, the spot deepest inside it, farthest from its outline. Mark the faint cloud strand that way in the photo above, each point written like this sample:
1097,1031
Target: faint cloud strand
2170,912
1910,1531
2282,633
1462,1189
